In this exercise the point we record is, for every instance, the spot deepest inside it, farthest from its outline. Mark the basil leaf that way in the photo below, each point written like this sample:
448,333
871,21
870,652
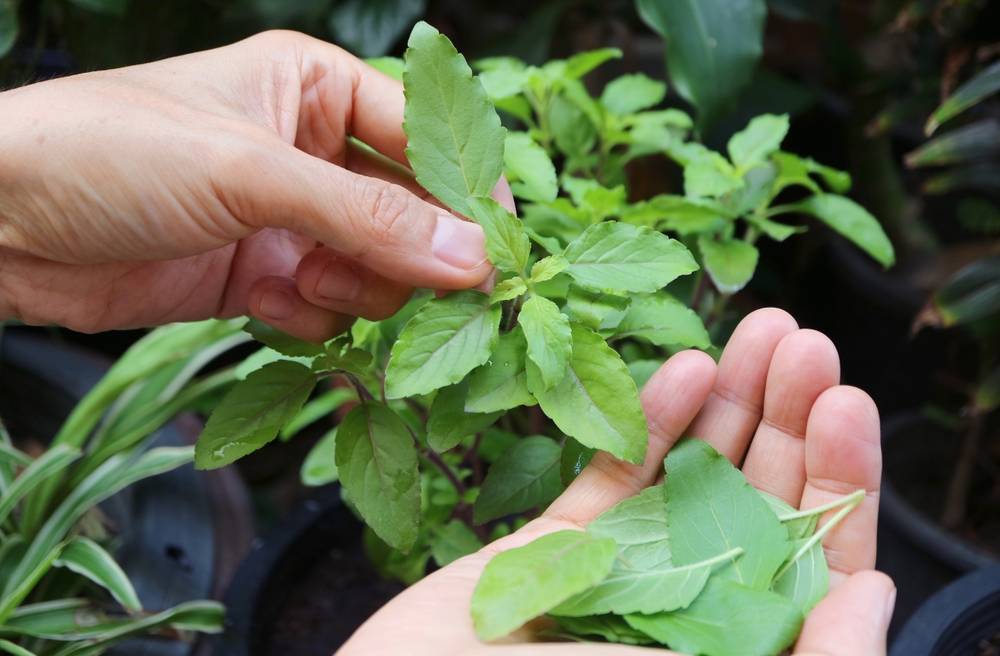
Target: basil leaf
596,402
507,290
520,584
573,459
454,134
664,321
609,627
449,421
727,619
280,341
730,262
631,93
253,412
638,525
507,244
547,332
807,581
548,268
320,466
755,143
618,257
529,169
446,339
595,310
853,222
453,541
525,476
377,462
501,383
711,508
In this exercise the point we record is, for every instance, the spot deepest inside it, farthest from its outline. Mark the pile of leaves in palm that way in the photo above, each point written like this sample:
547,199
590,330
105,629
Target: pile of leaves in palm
703,563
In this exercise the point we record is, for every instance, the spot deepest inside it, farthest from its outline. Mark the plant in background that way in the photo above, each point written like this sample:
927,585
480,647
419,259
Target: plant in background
57,577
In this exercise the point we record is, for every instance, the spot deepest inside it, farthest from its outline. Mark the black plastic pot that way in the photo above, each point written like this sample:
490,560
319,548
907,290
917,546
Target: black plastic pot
961,620
919,554
304,588
181,533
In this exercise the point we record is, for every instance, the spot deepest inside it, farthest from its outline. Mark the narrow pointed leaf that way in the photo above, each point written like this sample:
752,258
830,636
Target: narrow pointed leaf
87,558
983,84
853,222
50,463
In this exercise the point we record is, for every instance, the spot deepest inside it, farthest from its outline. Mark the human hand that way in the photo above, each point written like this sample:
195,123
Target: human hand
772,403
217,184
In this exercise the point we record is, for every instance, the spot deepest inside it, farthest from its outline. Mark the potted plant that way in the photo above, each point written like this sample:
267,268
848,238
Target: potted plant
73,494
471,411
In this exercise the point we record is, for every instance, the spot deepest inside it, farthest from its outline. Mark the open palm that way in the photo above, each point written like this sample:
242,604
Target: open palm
774,404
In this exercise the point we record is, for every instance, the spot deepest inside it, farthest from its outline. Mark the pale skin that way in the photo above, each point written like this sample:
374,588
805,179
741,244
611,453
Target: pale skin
223,183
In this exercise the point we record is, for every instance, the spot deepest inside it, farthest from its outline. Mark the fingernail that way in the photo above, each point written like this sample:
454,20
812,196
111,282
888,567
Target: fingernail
458,243
890,606
338,282
276,305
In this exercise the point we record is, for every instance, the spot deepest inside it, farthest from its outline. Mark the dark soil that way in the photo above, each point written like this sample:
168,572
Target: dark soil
920,466
332,599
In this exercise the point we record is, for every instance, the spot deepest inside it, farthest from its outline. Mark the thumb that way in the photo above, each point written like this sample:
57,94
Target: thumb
378,224
852,619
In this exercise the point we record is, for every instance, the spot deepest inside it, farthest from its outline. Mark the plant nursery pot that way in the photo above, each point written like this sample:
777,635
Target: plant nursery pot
963,619
914,549
182,533
305,587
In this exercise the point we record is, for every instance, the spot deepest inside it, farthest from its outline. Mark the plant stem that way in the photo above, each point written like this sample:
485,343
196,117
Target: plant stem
852,498
961,481
818,536
435,459
362,391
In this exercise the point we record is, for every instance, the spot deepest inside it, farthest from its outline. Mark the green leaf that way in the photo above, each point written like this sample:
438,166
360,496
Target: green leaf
573,459
573,131
501,383
371,27
525,477
320,466
596,402
730,262
449,421
454,134
8,25
521,584
550,345
710,175
529,169
507,243
969,295
503,82
773,229
663,320
5,645
618,257
253,412
609,627
88,559
853,222
682,215
377,462
50,463
713,47
453,541
582,63
711,509
548,268
445,340
628,589
509,289
755,143
281,342
391,66
638,525
975,141
595,310
631,93
642,370
983,84
265,356
727,619
807,581
322,406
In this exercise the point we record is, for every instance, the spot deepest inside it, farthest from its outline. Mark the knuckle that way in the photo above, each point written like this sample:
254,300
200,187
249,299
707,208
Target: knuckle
387,206
278,38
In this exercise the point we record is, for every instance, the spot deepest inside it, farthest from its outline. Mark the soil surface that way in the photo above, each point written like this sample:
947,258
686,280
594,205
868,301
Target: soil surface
323,609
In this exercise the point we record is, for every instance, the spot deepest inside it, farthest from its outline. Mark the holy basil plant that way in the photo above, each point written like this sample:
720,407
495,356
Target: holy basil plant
703,564
463,361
